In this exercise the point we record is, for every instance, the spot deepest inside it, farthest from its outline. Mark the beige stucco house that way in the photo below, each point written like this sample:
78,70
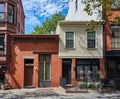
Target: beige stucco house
80,48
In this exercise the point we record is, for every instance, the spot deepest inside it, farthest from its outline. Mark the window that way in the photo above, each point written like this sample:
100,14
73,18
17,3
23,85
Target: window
115,4
2,11
115,36
11,13
45,67
91,40
87,66
2,37
69,39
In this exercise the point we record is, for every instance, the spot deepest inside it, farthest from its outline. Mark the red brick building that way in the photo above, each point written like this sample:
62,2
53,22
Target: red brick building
112,46
11,22
34,61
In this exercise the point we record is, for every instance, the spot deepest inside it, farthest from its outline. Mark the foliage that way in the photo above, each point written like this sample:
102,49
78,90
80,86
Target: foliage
39,30
49,25
102,8
89,85
82,85
95,5
98,85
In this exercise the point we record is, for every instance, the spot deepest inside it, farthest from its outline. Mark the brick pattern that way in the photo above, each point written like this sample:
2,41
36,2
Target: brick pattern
21,49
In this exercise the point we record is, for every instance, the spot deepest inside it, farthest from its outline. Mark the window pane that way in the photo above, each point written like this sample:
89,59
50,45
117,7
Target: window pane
95,72
47,71
42,58
45,67
41,70
47,58
115,41
69,39
11,13
79,69
1,44
2,7
2,16
87,68
91,40
2,11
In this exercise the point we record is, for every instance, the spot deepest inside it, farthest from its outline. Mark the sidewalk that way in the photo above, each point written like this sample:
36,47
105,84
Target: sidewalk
54,93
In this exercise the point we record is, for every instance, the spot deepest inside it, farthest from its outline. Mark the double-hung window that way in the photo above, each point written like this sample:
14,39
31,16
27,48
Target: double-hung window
2,11
69,39
91,39
2,37
115,36
10,13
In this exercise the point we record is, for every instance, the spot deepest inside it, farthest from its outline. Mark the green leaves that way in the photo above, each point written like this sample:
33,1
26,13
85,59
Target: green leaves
49,25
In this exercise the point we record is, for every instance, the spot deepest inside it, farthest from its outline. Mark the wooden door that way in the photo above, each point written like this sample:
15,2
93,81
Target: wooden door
28,76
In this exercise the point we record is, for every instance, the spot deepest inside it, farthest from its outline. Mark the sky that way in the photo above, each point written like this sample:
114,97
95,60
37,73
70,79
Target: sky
36,11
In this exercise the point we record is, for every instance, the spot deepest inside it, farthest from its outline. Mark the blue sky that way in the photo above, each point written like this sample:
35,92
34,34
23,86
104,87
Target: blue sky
36,11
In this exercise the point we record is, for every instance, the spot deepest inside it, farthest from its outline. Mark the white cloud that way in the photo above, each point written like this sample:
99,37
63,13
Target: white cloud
36,10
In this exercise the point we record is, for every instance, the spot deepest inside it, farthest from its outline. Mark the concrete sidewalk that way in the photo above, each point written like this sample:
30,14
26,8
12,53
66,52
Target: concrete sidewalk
54,93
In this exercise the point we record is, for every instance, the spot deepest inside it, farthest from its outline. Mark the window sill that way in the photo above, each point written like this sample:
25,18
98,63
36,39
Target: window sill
3,55
91,48
70,48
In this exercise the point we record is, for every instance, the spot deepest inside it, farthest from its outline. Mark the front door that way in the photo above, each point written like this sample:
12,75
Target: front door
66,70
28,76
45,71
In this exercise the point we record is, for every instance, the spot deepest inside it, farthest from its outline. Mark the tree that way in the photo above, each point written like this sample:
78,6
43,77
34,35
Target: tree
39,30
92,5
103,9
49,25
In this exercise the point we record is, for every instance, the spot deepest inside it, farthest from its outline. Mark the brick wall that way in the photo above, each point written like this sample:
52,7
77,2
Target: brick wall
20,47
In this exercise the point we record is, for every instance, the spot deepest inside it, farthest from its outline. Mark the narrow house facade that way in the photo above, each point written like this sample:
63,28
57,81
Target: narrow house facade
11,22
80,51
112,46
35,61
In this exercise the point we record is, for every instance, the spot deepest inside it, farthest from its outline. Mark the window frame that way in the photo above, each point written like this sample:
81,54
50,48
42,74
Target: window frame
86,63
44,61
11,18
70,40
115,37
2,12
91,41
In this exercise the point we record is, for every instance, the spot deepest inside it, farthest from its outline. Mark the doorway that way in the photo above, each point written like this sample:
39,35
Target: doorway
66,70
28,76
28,72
